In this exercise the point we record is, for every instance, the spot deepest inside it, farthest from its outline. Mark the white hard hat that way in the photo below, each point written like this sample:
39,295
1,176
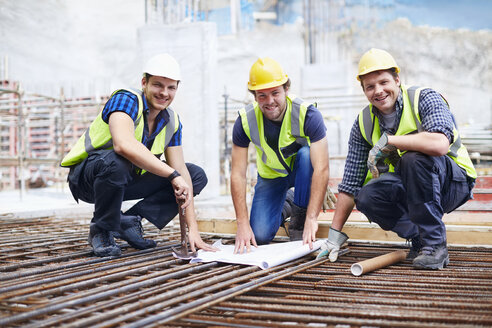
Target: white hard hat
163,65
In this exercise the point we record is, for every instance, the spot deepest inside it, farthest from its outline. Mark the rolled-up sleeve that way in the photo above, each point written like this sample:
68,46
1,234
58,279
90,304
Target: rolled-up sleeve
122,101
435,114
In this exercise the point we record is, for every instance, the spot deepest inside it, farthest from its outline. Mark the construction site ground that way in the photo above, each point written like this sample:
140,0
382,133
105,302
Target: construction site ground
50,278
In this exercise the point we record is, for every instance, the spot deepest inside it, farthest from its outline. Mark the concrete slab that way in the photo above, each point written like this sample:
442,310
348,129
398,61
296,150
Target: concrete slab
41,202
57,202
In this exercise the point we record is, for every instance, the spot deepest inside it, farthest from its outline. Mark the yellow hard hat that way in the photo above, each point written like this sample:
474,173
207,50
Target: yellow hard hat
266,73
375,60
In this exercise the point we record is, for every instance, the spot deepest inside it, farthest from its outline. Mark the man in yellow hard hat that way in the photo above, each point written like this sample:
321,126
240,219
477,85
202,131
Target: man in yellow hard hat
117,159
406,165
291,151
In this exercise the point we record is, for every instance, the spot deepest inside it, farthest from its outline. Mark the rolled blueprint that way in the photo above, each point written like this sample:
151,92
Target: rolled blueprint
378,262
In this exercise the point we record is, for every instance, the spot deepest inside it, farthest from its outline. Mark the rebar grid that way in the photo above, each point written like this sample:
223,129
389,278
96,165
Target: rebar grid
50,278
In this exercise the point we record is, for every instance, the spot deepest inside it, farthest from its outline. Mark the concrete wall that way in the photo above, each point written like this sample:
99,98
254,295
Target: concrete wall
86,47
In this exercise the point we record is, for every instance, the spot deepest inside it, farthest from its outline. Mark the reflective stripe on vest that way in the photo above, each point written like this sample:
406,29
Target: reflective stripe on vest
252,113
414,96
88,142
295,121
255,136
371,133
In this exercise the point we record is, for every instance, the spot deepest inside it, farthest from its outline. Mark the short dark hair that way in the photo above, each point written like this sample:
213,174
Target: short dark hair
147,77
286,86
391,70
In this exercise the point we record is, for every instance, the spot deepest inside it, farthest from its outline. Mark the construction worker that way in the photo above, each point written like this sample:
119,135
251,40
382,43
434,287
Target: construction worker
291,151
118,158
406,165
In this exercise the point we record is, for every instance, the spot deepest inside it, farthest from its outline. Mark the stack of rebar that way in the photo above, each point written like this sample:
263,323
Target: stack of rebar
50,278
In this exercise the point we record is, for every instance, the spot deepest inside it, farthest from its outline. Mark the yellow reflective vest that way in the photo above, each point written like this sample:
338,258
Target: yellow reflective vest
97,136
291,137
410,122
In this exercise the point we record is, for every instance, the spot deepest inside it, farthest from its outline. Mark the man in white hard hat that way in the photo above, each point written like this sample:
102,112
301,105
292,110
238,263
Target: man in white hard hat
406,165
118,158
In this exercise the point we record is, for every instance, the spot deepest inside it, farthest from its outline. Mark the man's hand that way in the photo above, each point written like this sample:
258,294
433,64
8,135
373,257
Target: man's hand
380,150
196,242
330,200
309,233
244,238
332,245
181,192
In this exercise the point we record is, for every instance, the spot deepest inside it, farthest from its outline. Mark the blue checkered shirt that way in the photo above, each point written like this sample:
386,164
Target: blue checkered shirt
127,102
435,116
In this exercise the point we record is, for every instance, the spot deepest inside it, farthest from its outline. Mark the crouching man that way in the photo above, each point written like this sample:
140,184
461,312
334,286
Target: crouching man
118,159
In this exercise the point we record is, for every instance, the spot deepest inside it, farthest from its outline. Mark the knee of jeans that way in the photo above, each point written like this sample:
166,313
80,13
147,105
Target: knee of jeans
263,237
198,178
263,229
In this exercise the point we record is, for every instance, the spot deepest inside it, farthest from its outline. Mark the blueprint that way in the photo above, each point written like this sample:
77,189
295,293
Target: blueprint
264,256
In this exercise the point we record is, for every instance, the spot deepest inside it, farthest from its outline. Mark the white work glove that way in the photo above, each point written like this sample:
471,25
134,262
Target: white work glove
329,200
381,150
332,245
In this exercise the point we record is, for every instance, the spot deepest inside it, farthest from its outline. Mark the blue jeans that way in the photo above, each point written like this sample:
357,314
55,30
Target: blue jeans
106,179
269,197
412,201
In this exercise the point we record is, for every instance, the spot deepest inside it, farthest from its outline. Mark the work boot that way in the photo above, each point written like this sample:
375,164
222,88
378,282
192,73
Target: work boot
131,231
415,247
432,257
296,225
102,242
287,208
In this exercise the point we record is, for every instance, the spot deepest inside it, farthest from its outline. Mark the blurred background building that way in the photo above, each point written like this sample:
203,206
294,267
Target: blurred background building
60,60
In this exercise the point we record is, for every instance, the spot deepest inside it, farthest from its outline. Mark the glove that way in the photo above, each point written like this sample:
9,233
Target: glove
330,200
381,150
332,245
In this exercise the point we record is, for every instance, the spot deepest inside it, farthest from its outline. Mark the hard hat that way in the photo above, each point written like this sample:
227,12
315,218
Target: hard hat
375,60
163,65
266,73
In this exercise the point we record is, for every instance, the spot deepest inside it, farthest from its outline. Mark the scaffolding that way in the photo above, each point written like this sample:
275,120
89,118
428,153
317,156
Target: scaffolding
35,133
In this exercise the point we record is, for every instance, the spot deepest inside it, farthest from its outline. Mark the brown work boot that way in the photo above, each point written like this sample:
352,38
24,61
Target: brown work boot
296,224
287,209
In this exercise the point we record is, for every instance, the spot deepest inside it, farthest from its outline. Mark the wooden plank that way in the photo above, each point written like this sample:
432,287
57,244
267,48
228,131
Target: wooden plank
456,234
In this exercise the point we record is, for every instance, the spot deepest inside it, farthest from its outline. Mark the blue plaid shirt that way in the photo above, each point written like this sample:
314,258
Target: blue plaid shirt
435,116
127,102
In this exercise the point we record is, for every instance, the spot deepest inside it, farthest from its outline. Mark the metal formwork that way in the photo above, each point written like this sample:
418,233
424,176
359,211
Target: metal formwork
49,278
35,133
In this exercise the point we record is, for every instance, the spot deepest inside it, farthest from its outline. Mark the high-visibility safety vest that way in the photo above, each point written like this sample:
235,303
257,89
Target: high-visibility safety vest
291,137
411,123
97,136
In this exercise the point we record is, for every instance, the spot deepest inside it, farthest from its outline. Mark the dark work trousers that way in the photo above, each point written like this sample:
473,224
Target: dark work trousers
412,201
106,179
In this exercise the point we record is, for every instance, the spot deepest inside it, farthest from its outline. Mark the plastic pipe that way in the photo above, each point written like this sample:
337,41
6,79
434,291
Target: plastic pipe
378,262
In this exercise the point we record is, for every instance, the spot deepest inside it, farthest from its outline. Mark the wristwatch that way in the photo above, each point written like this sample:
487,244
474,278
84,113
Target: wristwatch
173,175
